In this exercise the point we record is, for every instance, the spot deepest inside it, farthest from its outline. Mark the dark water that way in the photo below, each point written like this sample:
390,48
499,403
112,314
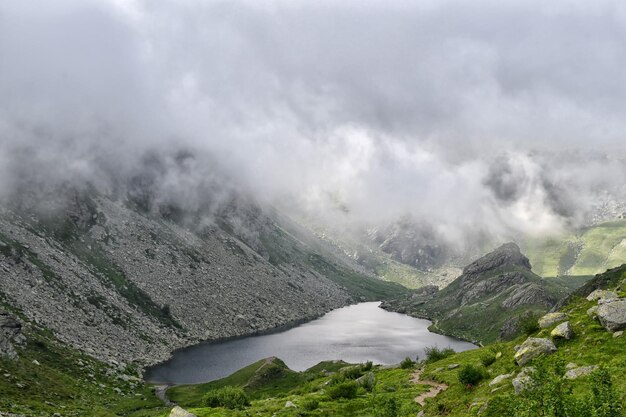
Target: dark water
355,334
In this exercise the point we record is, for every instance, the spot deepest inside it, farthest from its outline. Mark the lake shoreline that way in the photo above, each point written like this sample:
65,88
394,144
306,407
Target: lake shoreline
357,333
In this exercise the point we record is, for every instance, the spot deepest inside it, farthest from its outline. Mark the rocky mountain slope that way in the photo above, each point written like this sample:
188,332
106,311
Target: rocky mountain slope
485,302
131,285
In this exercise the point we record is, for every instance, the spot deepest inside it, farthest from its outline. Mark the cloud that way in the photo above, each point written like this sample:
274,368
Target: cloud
483,115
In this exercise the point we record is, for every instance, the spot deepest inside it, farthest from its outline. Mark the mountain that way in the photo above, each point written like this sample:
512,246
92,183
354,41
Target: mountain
126,281
486,301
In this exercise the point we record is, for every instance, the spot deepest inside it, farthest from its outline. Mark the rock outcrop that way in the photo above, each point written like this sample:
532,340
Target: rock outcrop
10,336
532,348
562,331
613,315
551,319
180,412
488,300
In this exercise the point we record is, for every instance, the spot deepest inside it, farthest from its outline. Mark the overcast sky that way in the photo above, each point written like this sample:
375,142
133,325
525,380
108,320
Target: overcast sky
490,114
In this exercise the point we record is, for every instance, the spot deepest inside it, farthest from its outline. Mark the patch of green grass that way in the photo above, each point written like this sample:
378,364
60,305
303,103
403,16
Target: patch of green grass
66,381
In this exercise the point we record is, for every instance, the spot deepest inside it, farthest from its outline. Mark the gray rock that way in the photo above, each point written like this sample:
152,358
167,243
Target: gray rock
532,348
10,336
598,294
367,380
562,331
497,380
613,315
453,366
551,319
618,334
608,300
290,404
571,365
580,371
593,311
180,412
523,380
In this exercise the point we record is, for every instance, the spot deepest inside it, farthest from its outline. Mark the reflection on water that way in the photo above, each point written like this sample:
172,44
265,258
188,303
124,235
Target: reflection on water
354,334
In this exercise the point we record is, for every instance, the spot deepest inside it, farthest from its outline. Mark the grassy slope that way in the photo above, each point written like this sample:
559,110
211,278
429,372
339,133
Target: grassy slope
588,252
269,396
592,345
68,382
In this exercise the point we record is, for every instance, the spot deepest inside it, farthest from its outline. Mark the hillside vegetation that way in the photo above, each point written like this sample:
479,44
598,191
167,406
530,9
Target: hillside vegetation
587,252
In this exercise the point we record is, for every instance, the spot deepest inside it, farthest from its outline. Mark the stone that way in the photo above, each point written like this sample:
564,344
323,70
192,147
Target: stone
523,380
290,404
571,365
551,319
453,366
593,311
562,331
618,334
497,380
367,380
580,371
180,412
36,362
532,348
498,355
598,294
613,315
608,300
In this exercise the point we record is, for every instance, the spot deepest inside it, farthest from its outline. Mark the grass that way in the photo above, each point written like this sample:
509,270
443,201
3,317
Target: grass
70,383
319,391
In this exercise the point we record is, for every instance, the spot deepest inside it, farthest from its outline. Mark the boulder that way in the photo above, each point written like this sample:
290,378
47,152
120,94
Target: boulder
10,336
580,371
499,379
562,331
598,294
613,315
523,380
532,348
180,412
551,319
618,334
608,300
367,380
592,312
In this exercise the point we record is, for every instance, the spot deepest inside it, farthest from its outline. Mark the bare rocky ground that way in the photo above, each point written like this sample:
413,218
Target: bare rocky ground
131,287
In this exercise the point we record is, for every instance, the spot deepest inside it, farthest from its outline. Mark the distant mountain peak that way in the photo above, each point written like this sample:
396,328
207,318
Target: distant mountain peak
507,255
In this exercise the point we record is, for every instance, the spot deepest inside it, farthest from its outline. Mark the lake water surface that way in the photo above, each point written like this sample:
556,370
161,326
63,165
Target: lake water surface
356,333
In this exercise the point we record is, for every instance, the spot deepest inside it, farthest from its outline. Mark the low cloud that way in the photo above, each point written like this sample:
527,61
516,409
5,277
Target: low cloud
475,117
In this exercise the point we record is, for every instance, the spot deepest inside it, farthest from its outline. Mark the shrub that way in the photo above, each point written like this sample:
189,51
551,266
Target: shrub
487,358
529,323
367,366
353,372
388,407
407,363
434,354
343,390
470,374
311,404
227,397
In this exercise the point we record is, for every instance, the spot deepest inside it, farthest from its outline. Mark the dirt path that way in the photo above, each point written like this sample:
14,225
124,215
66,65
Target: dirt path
435,389
160,392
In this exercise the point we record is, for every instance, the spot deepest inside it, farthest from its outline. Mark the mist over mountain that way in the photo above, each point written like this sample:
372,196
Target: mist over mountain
475,121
